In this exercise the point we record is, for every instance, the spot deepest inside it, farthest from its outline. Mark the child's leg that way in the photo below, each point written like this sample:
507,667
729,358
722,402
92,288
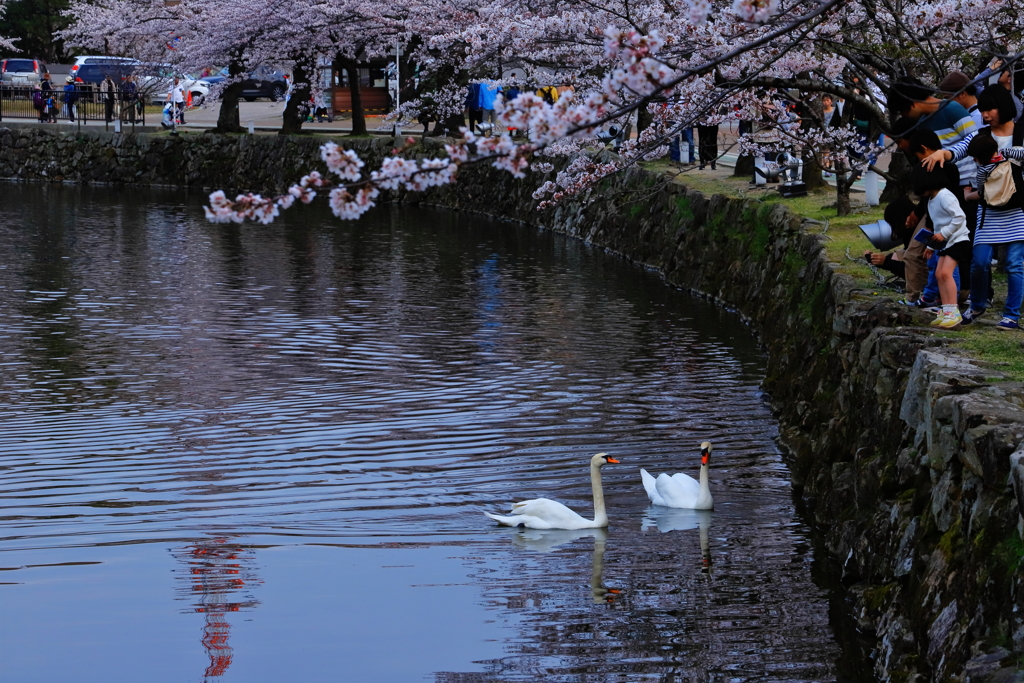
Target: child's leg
931,290
944,275
963,268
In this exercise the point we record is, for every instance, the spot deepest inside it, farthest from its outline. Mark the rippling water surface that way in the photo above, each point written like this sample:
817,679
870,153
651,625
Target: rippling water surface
262,453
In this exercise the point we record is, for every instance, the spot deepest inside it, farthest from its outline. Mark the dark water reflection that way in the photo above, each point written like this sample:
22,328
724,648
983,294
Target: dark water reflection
260,453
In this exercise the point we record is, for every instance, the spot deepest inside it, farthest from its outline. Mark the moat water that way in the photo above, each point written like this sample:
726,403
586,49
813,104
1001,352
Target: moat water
262,453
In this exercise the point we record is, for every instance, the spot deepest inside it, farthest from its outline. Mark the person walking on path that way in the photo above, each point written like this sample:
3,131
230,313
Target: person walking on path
707,144
176,96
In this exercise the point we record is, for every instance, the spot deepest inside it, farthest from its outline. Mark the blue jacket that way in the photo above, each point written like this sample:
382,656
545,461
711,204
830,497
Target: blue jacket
488,93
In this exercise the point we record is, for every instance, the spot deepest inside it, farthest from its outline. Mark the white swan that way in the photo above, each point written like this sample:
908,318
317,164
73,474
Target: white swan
681,490
544,513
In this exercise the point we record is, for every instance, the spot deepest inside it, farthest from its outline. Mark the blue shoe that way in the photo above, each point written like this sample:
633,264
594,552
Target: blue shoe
970,315
1007,324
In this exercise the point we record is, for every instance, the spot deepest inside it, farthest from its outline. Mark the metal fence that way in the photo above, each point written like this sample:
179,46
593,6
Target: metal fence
82,105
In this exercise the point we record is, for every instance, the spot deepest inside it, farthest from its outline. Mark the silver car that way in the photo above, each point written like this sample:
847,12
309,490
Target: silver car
21,71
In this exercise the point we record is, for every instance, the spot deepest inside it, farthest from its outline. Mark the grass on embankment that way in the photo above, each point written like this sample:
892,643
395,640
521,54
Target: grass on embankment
845,245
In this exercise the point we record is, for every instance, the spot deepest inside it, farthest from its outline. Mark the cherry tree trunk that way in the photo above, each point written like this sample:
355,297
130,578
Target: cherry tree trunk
227,119
844,181
358,115
744,167
812,172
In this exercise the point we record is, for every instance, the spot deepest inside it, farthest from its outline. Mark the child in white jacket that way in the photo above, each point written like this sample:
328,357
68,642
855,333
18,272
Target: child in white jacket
951,240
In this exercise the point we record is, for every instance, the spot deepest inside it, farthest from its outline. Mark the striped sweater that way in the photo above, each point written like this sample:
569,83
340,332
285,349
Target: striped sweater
999,226
955,128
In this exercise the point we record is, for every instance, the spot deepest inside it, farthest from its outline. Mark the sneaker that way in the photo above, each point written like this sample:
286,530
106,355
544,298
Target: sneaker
939,319
907,302
928,306
1007,324
970,315
950,320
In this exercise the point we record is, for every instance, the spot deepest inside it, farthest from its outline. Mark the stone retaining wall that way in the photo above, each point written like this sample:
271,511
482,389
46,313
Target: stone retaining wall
907,458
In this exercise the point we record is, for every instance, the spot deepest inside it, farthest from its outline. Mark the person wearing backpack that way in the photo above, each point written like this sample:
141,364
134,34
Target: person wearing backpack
39,102
548,93
1001,221
49,110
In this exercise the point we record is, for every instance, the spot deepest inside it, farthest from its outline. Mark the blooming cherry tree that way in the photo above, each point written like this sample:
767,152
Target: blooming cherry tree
668,65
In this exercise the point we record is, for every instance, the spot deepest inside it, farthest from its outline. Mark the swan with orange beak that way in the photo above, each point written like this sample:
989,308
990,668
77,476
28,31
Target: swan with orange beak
544,513
681,490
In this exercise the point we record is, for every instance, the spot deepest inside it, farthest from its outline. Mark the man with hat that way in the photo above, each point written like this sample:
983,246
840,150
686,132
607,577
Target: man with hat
958,87
70,97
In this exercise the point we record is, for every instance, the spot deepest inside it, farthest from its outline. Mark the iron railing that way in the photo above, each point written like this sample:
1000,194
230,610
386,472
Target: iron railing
86,105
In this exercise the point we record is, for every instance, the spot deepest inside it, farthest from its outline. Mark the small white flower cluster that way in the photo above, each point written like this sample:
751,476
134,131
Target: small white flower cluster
396,172
699,11
251,206
348,207
343,163
580,175
755,11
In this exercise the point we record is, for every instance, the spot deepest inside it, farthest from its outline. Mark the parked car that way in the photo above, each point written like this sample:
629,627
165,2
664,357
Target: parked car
263,81
21,71
155,80
90,70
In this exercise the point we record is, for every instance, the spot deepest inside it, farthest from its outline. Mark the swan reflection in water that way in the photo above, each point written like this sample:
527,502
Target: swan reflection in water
666,519
546,540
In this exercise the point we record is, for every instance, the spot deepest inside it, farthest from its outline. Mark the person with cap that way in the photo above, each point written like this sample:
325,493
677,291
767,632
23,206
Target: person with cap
958,87
70,97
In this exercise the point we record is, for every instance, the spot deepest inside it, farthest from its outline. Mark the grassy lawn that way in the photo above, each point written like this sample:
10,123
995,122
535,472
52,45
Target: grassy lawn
845,245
